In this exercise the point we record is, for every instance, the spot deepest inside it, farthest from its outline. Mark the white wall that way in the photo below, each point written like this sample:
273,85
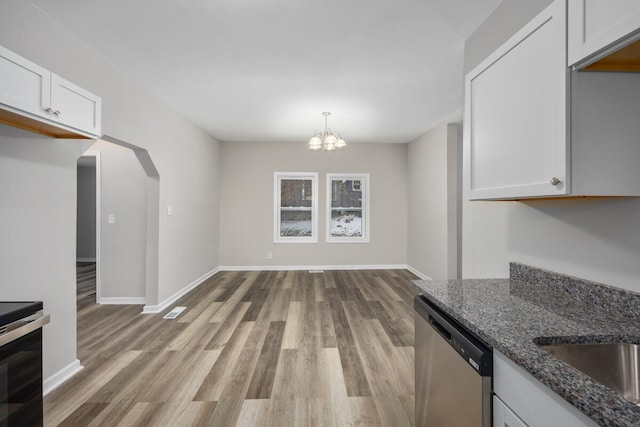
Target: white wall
86,219
596,239
122,244
246,205
185,156
432,202
38,244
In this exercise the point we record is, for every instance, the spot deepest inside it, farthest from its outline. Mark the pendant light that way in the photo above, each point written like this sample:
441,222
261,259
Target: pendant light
327,140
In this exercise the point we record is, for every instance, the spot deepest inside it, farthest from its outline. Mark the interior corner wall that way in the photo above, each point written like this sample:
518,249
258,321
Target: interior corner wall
595,239
86,220
247,204
123,242
432,200
187,158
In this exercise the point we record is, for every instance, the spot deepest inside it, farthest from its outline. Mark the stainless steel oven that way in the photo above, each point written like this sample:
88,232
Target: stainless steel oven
21,363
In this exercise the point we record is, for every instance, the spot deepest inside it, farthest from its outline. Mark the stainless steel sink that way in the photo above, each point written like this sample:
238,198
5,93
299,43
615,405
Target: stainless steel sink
616,365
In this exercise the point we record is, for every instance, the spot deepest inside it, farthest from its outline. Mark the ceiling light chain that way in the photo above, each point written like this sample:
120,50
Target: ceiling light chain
326,140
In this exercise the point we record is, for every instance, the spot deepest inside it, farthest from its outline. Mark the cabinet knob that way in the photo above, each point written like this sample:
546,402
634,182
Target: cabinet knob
48,110
555,181
57,114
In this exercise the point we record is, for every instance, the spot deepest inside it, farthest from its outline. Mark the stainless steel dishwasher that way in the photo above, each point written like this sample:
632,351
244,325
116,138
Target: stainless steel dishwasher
453,371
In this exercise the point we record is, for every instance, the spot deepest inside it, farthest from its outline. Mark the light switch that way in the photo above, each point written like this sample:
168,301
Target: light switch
111,219
170,210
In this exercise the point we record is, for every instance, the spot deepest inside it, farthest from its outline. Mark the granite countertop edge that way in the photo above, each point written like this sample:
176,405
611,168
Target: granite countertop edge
516,340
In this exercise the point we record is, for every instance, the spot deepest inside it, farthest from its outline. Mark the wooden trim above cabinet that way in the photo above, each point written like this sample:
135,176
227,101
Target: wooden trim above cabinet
626,59
27,123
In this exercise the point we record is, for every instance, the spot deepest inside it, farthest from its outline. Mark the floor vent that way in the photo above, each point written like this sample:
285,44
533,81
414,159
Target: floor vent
174,313
316,271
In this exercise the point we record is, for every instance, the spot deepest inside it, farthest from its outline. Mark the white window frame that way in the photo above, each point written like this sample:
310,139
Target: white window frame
277,179
366,203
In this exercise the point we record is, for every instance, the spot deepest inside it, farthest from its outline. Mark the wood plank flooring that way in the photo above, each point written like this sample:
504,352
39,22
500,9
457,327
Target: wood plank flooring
286,348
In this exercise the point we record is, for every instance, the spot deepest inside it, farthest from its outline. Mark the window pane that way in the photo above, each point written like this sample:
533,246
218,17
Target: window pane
346,223
295,223
296,209
295,193
346,208
346,194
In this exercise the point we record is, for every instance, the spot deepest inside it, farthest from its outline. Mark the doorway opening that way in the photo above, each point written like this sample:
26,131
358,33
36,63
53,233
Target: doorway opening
88,229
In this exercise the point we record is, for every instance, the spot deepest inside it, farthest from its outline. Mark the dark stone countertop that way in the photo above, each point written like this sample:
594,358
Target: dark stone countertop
533,304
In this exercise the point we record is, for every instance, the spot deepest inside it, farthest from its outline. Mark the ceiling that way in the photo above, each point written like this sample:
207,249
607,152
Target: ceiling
265,70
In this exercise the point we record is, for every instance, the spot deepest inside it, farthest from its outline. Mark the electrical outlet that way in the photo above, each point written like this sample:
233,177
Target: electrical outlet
111,218
269,255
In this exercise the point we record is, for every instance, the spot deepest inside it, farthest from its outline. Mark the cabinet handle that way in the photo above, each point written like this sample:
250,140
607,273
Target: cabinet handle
57,113
555,181
48,110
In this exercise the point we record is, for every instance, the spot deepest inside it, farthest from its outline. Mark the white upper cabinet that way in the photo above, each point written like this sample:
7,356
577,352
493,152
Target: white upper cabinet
596,27
35,99
75,107
515,129
24,85
533,128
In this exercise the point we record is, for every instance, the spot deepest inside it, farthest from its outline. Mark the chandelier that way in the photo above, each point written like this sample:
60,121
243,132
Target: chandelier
326,140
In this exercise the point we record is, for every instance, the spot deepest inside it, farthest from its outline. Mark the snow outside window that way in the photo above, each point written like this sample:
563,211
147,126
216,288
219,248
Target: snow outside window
348,208
296,207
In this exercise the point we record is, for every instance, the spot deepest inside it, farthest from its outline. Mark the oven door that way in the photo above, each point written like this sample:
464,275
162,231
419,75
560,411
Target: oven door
21,375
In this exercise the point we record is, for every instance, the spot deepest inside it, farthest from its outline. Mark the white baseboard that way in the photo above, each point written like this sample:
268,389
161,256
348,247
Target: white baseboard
85,260
418,273
122,300
61,376
151,309
312,267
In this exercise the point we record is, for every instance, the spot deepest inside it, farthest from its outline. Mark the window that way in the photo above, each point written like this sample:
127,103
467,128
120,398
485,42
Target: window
348,208
296,207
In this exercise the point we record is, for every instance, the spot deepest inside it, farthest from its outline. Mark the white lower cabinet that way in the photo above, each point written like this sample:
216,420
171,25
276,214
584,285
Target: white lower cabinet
503,416
527,401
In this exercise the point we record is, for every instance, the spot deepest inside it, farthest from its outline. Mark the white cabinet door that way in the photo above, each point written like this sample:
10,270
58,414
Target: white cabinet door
532,402
75,107
503,416
24,86
35,99
516,118
597,24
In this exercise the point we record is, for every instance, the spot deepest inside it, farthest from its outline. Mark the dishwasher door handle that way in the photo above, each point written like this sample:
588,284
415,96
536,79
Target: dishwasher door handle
440,328
470,347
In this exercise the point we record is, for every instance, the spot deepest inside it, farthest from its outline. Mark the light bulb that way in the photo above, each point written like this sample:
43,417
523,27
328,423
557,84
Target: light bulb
315,143
330,139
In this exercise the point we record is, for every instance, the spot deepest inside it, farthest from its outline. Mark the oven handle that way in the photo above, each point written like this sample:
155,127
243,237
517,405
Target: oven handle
28,325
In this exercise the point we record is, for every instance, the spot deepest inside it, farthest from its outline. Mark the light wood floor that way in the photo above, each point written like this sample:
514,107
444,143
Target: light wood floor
252,349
